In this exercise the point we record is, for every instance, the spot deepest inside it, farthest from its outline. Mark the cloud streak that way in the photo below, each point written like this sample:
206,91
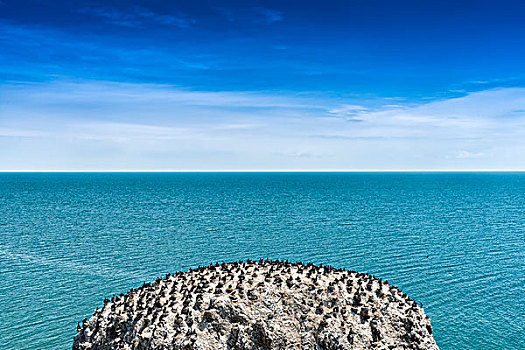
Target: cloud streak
137,17
270,16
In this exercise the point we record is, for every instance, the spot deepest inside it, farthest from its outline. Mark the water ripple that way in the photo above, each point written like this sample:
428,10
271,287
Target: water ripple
453,242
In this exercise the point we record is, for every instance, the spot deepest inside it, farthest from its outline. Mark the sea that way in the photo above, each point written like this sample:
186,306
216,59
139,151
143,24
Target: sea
454,242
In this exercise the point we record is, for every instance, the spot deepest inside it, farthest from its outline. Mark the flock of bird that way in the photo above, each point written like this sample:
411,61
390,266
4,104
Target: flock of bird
265,304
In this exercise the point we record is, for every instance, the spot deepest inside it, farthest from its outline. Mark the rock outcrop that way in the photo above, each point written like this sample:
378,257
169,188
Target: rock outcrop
259,305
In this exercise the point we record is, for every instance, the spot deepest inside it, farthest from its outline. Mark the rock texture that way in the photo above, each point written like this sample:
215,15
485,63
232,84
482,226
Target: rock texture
260,305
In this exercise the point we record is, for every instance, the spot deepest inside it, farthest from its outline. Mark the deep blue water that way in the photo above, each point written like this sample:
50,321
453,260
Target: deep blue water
453,241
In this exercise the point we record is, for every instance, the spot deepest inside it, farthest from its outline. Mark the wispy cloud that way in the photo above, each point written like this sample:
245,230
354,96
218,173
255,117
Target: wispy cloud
467,155
102,93
60,54
136,16
348,112
256,15
268,15
147,126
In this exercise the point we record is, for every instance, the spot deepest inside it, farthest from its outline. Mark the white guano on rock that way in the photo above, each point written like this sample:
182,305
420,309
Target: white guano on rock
259,305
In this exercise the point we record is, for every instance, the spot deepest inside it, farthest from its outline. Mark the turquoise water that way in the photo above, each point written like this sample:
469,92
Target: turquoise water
453,241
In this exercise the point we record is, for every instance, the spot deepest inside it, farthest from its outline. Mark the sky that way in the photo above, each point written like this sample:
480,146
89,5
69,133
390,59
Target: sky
262,85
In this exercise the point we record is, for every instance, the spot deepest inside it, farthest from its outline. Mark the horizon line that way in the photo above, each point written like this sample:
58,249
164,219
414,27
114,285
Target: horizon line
261,171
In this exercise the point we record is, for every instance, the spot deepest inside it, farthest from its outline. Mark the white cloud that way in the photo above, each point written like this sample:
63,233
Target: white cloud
347,111
467,154
97,125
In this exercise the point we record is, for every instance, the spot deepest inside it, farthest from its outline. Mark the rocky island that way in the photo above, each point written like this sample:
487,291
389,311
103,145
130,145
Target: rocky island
259,305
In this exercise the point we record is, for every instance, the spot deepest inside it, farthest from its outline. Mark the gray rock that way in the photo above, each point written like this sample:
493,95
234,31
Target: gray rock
259,306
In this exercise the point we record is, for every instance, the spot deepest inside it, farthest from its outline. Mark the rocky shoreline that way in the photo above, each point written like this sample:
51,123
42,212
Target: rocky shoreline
259,305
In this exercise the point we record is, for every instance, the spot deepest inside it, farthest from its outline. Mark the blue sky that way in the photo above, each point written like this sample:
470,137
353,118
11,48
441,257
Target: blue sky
282,85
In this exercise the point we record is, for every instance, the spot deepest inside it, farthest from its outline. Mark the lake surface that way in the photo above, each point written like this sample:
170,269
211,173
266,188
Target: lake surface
452,241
